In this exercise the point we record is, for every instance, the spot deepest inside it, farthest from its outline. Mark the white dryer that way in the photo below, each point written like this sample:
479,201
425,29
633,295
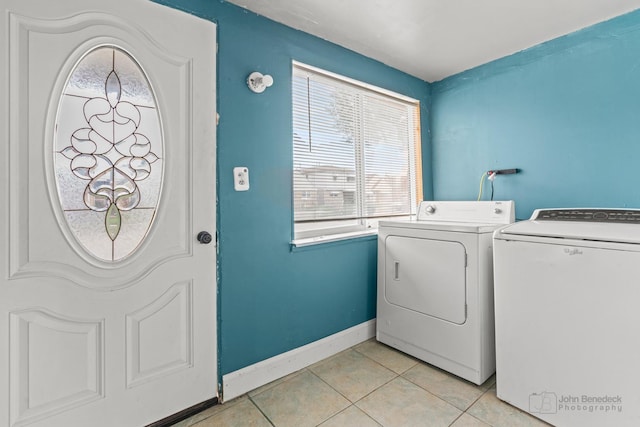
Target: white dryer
435,285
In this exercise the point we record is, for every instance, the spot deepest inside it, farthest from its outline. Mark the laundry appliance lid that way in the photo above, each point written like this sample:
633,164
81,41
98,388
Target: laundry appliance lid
462,227
599,225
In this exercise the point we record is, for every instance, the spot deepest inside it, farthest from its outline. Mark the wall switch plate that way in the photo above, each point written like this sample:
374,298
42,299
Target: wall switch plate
241,178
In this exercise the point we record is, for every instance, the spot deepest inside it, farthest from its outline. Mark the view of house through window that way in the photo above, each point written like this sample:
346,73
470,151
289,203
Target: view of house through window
356,154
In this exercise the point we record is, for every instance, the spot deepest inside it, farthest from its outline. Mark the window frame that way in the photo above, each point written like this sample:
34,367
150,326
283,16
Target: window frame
361,225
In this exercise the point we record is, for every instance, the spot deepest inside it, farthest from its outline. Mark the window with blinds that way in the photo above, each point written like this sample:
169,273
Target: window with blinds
356,154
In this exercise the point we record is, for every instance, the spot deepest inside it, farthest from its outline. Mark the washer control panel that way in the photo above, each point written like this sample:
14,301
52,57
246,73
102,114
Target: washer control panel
625,216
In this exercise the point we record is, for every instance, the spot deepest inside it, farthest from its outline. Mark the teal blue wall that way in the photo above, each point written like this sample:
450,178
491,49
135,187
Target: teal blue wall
272,299
566,112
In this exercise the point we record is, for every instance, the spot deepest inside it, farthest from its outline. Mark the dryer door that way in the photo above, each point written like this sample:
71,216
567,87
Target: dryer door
427,276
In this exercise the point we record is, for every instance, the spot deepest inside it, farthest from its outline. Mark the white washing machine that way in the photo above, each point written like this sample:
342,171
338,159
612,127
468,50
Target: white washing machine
567,290
435,285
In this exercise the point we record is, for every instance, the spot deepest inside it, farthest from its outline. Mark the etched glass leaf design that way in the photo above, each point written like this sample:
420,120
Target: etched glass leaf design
102,153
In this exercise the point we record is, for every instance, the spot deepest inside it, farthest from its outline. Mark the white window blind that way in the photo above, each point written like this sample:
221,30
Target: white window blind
356,154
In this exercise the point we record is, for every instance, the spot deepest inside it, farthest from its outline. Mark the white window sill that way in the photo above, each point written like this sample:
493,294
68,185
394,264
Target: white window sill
318,240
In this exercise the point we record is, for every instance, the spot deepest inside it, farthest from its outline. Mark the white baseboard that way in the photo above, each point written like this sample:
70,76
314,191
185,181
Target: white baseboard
239,382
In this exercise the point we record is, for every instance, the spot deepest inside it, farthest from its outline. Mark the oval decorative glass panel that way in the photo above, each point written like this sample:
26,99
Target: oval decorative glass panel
108,149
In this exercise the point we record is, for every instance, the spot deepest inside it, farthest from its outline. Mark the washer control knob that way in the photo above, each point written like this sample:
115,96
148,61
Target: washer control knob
431,209
497,211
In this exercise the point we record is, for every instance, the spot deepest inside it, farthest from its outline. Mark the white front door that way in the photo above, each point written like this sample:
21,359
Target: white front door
107,177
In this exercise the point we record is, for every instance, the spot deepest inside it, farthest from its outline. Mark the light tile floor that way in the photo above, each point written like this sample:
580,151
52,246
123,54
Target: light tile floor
369,385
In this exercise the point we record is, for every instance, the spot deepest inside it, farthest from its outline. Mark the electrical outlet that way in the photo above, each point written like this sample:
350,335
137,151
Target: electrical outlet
241,178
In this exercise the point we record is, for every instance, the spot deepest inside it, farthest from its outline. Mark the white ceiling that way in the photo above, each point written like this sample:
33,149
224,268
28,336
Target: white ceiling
433,39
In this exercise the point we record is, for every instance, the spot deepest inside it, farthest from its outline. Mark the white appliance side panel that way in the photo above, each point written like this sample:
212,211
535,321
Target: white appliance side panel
484,309
427,276
567,324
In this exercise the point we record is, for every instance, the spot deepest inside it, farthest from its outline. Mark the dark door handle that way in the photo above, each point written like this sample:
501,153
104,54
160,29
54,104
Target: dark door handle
204,237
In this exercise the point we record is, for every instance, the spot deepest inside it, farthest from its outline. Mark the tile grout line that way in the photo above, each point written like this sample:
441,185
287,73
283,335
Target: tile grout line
469,407
395,376
401,375
476,401
457,418
291,375
191,420
374,360
271,385
462,411
337,391
276,382
260,410
435,395
349,400
418,362
350,406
